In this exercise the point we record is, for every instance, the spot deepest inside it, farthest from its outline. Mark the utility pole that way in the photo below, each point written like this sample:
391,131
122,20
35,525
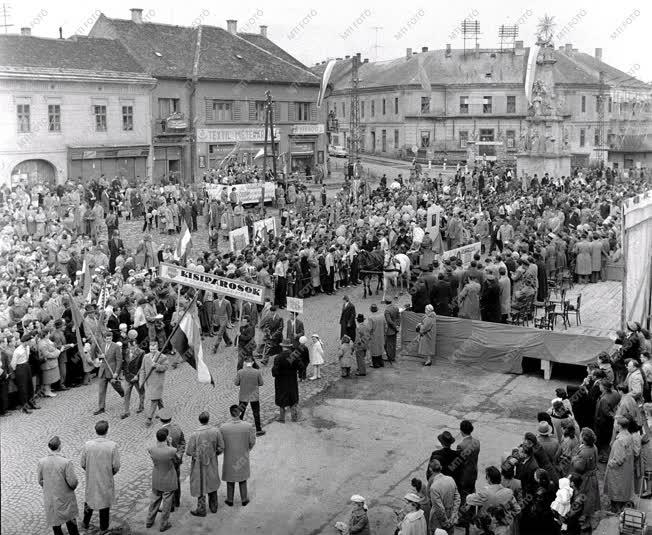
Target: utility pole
602,98
269,131
377,46
6,8
354,117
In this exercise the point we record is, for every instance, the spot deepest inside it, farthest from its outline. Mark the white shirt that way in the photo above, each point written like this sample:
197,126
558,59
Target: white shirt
20,356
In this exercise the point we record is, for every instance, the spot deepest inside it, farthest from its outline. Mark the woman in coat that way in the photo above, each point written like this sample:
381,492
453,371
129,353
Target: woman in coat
49,356
427,330
619,475
414,520
286,386
56,475
469,300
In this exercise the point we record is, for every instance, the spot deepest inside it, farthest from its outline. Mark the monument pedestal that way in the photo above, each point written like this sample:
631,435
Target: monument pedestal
531,163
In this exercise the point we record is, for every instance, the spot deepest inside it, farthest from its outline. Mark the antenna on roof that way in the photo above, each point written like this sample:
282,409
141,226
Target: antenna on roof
5,12
470,31
508,35
377,46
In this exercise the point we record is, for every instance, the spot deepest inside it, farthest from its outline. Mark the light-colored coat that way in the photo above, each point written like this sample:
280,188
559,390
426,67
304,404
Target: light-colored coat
239,438
345,355
428,335
101,461
204,445
619,475
56,475
469,299
155,374
445,501
376,323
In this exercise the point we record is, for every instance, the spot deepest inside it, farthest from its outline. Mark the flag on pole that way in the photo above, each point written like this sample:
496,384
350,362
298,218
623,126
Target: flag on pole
423,76
185,243
86,280
186,340
102,299
324,81
259,154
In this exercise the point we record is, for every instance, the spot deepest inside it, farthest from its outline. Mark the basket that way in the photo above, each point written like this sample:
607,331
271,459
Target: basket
632,522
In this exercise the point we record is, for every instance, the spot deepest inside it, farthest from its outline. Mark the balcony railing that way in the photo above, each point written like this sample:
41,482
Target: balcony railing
172,126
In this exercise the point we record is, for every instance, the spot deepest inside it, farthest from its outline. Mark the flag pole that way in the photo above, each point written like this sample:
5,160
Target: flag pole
174,330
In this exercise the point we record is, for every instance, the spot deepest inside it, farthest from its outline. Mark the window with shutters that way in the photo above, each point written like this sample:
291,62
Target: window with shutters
259,111
219,110
99,110
583,104
582,137
343,109
23,115
302,111
54,118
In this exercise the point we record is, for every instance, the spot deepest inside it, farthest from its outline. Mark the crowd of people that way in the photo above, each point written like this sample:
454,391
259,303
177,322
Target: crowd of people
61,253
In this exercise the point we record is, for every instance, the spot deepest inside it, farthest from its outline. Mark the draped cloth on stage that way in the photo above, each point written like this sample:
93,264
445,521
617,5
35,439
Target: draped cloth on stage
501,347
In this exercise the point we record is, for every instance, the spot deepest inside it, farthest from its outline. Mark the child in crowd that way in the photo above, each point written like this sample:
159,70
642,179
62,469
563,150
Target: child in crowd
345,356
316,356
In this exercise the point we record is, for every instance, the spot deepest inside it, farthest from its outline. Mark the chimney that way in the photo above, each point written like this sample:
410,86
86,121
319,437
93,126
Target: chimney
408,53
232,26
414,53
60,32
424,49
448,50
477,50
136,15
359,54
347,57
576,50
263,30
26,31
598,54
518,48
366,60
568,48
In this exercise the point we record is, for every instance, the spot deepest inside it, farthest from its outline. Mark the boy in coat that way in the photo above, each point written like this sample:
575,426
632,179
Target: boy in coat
164,480
152,377
204,445
239,439
56,475
101,461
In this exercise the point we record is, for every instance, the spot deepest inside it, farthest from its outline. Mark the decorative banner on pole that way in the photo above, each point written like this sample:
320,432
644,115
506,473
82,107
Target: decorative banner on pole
465,252
239,238
267,224
295,305
205,281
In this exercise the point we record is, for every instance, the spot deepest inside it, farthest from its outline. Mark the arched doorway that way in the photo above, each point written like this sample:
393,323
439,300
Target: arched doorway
34,172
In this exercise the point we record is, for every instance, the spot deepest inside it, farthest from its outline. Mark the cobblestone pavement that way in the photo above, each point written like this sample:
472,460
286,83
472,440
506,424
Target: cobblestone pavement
69,415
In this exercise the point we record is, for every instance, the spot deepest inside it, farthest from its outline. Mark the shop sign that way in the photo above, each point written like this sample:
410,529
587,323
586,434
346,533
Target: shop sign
306,129
89,154
303,147
233,135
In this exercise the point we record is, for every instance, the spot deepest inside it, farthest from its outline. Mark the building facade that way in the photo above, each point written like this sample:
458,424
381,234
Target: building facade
463,106
209,99
75,108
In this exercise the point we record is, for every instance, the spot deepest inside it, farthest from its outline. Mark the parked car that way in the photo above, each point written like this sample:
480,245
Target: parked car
337,151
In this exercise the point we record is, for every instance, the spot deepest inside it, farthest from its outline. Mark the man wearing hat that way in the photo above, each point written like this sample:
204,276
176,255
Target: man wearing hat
549,443
132,359
413,521
446,456
377,336
392,325
177,440
110,356
286,386
361,344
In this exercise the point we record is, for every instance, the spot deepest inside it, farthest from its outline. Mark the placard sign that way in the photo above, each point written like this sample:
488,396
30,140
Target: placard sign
465,252
268,223
295,305
205,281
247,193
239,238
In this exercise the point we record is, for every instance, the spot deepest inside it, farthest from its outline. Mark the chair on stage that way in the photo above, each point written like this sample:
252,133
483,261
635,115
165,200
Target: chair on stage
523,315
547,321
576,308
563,314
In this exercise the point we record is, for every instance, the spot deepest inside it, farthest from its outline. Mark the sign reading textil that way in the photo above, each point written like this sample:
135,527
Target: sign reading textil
212,283
233,135
465,252
247,193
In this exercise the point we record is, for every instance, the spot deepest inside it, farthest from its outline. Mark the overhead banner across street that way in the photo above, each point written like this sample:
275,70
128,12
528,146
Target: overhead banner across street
212,283
247,193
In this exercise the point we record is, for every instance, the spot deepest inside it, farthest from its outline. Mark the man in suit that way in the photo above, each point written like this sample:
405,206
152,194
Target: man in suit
294,327
222,320
112,322
239,439
110,368
447,457
249,379
152,377
250,309
469,450
177,440
132,359
494,494
246,340
392,325
204,445
347,318
445,500
116,248
273,327
164,480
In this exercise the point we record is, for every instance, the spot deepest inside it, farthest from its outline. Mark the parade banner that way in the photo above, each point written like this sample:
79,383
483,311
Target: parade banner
212,283
239,238
295,305
247,193
465,252
268,223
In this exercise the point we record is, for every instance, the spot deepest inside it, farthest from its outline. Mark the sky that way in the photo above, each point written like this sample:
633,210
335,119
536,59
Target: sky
315,31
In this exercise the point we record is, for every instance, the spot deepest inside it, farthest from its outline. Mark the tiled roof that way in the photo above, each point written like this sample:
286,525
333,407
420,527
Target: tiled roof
491,67
163,50
169,51
78,53
612,76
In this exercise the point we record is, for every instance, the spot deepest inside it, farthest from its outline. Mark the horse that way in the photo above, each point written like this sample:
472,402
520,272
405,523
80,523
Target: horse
370,264
396,269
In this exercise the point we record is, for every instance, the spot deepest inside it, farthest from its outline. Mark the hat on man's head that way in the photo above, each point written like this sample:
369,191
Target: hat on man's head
544,429
445,438
165,415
